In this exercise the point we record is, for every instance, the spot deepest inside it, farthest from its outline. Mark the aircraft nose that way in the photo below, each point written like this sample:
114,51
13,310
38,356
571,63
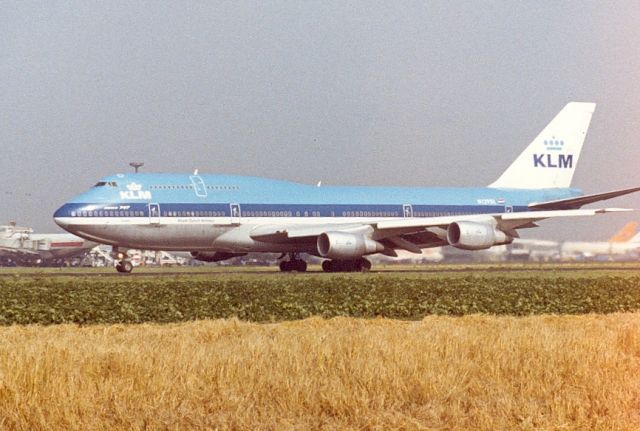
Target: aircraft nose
61,217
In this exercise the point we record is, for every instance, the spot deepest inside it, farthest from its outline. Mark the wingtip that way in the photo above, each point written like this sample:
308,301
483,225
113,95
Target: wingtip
587,106
616,210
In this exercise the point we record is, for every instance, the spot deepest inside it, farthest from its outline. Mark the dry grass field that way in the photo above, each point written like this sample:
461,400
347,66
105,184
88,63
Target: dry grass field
472,372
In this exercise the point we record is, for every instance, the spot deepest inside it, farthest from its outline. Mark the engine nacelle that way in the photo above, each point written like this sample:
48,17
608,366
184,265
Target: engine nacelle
469,235
216,256
346,246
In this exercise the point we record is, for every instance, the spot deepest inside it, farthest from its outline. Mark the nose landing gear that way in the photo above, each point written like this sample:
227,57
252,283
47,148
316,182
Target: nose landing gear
123,264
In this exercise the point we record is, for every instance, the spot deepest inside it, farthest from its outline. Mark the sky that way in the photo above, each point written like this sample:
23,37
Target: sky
407,93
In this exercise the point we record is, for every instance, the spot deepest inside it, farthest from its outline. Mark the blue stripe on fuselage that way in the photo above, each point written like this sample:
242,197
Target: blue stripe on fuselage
260,197
274,210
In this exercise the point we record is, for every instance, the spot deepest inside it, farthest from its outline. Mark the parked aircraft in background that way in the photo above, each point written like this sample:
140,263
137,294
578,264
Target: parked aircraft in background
428,255
625,242
20,243
218,217
589,249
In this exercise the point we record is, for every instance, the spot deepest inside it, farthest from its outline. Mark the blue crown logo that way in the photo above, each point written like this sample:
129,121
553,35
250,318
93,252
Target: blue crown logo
554,144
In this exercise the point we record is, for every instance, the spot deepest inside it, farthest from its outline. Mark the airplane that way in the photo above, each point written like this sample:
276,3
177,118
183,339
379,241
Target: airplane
623,242
216,217
20,243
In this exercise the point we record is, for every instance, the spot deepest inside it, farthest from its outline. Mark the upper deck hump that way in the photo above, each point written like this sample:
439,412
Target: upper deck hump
176,187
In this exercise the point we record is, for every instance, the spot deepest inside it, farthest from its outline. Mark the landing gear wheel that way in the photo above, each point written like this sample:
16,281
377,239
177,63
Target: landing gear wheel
365,265
358,265
124,267
301,266
327,266
293,265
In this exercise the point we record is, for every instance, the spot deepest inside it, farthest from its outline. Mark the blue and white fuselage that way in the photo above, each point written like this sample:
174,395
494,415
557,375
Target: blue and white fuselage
197,212
216,217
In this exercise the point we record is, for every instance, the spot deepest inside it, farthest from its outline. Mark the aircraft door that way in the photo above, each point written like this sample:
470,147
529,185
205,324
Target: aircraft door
407,210
154,214
235,212
199,186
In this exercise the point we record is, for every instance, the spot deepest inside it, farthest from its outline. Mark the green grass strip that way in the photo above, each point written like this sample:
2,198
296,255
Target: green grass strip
276,297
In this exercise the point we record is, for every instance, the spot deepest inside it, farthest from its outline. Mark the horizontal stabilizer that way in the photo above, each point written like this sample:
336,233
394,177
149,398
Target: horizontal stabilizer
575,203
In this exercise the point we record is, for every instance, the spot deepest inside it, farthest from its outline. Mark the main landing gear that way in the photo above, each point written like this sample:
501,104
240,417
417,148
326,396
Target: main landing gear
357,265
293,264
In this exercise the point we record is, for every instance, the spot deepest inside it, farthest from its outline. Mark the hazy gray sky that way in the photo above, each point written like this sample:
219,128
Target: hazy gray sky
382,93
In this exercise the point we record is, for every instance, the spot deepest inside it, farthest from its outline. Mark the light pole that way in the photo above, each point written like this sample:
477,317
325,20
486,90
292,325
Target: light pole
136,165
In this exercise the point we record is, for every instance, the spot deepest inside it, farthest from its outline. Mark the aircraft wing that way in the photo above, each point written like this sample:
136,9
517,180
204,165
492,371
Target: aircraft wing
413,234
301,233
17,251
574,203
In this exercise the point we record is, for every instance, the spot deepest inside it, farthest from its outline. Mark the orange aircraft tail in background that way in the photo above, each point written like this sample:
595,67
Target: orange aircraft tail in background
627,232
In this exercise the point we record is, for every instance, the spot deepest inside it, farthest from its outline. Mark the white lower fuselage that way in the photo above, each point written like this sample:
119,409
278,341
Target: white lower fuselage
224,234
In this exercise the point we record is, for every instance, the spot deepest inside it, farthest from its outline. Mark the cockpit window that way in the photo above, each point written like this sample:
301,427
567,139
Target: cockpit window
100,184
105,183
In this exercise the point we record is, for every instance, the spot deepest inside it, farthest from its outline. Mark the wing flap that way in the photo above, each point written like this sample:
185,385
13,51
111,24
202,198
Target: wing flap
404,244
399,231
281,234
505,221
21,251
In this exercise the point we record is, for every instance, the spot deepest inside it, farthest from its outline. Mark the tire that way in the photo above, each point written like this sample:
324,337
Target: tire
301,266
365,265
293,265
124,267
284,266
327,266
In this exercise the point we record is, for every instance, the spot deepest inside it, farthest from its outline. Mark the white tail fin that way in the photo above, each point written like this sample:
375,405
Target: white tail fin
635,239
550,160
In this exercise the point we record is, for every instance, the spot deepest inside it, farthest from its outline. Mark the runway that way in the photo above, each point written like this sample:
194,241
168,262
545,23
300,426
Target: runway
315,270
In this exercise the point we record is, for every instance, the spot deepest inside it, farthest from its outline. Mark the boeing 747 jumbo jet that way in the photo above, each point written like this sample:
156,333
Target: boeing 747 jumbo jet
217,217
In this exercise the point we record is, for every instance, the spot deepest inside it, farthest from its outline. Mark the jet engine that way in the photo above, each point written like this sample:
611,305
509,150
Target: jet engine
469,235
346,246
217,256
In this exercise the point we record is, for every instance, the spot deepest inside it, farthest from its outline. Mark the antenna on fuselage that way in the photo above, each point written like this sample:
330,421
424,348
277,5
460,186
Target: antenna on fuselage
136,165
195,172
319,184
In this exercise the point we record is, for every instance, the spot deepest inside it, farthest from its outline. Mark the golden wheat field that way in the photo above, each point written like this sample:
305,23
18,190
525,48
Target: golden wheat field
473,372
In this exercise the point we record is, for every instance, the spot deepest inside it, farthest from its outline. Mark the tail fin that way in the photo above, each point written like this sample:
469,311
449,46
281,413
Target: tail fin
627,233
635,239
551,158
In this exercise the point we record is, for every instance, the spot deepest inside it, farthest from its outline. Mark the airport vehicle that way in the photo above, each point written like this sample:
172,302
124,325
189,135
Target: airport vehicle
22,245
217,217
